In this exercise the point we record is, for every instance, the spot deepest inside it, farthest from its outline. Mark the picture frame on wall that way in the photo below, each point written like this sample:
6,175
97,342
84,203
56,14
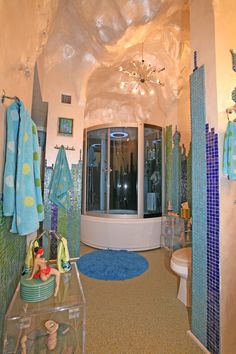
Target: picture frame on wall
65,126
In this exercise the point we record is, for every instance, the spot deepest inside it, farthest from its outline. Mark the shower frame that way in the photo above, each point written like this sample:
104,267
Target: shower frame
140,171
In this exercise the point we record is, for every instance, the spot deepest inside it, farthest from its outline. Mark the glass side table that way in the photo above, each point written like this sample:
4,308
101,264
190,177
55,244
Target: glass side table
175,232
55,325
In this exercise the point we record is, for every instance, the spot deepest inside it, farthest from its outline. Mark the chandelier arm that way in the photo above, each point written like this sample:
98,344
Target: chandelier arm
137,69
142,52
157,83
151,70
147,86
133,65
151,74
142,71
154,81
126,72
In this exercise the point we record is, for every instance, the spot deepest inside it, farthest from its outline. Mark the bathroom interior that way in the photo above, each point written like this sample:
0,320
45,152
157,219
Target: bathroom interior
136,152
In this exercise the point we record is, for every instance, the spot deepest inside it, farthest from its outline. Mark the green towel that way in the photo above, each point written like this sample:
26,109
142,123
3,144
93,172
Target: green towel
63,258
61,181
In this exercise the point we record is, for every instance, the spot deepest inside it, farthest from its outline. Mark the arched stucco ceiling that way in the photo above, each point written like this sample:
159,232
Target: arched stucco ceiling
92,38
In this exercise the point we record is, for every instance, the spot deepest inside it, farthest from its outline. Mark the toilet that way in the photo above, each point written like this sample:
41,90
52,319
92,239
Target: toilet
181,264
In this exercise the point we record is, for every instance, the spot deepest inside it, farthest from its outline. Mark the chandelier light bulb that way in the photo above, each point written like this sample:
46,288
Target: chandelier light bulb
134,90
151,92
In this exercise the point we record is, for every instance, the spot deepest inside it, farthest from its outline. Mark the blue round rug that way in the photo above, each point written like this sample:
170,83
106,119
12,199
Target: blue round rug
112,265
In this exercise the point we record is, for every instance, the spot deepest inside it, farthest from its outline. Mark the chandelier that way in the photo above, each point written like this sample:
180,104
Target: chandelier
141,78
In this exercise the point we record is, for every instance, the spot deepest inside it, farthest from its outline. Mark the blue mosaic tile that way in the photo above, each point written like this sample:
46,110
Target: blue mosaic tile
205,212
213,271
199,206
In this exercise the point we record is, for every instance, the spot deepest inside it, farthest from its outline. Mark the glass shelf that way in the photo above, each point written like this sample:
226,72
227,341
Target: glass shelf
26,321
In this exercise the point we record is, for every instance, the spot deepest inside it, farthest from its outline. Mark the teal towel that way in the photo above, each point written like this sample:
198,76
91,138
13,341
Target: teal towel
22,195
61,181
229,159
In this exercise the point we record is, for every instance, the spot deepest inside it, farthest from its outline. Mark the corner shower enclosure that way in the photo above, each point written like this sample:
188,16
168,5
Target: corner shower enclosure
122,178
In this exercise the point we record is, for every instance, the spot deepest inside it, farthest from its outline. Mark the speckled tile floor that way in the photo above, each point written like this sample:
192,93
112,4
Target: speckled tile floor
137,316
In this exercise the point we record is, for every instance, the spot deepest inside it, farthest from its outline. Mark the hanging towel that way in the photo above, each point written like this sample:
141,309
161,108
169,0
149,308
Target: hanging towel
229,159
22,195
63,258
61,181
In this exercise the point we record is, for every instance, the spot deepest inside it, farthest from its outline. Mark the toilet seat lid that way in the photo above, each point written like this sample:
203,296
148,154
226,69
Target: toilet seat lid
182,256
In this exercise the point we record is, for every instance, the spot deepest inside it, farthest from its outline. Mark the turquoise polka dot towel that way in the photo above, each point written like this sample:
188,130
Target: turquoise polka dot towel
22,195
61,181
229,159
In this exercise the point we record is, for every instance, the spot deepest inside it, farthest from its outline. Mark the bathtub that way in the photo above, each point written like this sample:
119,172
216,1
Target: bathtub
133,234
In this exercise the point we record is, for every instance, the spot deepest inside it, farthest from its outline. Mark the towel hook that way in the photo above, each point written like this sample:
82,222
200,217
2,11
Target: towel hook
71,148
4,96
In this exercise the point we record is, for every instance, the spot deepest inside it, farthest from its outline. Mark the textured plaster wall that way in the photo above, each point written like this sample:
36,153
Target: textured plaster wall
59,83
79,46
25,27
213,35
87,44
202,32
226,82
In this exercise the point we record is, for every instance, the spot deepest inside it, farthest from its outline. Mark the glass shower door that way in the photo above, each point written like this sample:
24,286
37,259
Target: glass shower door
123,170
152,171
112,171
97,168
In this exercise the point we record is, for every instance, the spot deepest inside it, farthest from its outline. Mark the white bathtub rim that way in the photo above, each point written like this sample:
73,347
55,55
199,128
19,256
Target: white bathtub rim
101,247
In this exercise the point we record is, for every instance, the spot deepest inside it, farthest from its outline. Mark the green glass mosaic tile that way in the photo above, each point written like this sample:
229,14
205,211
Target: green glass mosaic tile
12,255
176,173
199,210
169,163
189,177
67,223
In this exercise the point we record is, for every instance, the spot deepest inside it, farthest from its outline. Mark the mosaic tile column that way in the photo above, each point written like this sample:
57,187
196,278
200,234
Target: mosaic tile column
176,173
169,162
47,223
67,223
199,207
189,177
213,217
183,175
